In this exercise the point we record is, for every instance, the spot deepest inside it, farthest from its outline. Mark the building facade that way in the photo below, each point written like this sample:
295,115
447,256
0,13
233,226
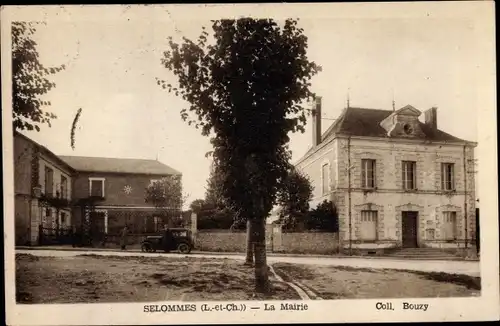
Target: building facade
56,195
42,188
119,186
396,181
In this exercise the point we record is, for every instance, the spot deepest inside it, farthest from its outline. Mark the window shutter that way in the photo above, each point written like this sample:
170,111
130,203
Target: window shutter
452,176
414,175
363,173
442,176
403,175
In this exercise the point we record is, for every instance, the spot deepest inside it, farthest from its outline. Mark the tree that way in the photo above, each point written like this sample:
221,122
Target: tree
197,205
246,90
324,217
29,82
294,199
216,213
166,195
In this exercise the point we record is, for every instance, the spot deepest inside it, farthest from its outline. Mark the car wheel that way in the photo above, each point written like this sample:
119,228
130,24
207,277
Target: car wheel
146,248
184,248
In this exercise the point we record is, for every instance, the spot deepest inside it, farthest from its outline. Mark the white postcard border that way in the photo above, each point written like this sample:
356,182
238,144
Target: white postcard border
485,307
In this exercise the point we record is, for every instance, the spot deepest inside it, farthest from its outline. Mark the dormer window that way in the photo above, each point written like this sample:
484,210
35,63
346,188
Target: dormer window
407,129
403,123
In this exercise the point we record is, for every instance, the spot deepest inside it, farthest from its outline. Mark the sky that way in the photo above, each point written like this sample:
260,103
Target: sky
112,66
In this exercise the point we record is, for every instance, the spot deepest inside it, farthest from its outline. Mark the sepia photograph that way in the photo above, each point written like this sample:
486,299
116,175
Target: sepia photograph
195,161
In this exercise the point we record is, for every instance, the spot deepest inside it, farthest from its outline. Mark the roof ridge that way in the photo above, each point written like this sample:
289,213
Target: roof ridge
371,109
107,157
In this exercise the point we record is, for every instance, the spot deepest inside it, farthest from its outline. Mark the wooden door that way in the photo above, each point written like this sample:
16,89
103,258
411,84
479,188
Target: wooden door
409,226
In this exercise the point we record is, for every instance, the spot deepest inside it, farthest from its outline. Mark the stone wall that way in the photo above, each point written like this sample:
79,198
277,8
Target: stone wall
309,243
220,240
303,242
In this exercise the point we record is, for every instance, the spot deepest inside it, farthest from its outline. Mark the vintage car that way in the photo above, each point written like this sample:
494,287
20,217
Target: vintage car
182,241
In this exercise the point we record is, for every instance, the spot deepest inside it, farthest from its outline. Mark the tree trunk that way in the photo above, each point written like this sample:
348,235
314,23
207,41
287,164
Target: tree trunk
261,270
249,258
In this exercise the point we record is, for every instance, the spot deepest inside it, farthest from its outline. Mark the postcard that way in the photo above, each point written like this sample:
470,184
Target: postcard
256,163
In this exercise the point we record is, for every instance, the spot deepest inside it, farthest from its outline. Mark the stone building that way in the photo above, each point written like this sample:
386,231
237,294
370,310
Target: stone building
42,190
396,181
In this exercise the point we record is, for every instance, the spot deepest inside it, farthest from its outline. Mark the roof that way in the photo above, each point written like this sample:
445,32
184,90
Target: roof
365,122
118,165
44,149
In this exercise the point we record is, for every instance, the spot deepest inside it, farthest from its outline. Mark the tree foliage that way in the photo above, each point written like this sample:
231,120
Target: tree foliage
293,199
166,195
197,205
213,212
214,194
29,82
324,217
246,89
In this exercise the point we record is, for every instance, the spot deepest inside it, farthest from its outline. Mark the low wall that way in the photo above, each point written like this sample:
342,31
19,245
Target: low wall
307,243
220,240
303,242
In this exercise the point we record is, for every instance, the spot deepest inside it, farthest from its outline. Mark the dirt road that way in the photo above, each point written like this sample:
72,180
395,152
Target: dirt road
471,268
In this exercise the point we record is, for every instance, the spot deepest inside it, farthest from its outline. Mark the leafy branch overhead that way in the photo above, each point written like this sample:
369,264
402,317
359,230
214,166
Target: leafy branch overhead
29,82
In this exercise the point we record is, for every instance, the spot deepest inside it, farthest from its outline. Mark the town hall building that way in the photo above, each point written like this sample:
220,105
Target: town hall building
397,182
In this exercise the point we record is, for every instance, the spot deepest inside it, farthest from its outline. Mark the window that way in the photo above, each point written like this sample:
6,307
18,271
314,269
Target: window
369,225
63,219
448,176
47,218
157,222
153,181
409,175
49,181
180,234
96,187
64,187
368,173
450,225
325,178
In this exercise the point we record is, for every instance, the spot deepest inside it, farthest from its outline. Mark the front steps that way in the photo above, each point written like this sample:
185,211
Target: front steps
424,254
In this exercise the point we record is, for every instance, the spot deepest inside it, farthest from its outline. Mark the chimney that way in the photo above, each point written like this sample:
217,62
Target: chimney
316,122
431,117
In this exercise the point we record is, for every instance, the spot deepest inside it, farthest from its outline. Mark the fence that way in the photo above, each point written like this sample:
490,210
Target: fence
103,227
53,236
276,241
